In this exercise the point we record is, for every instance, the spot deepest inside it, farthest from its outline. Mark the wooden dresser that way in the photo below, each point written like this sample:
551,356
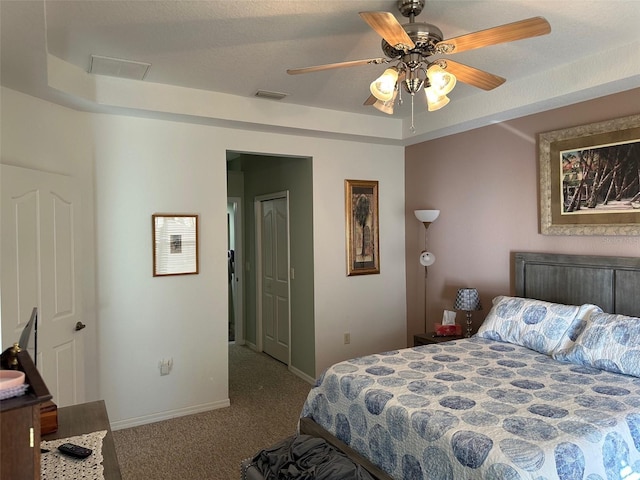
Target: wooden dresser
20,426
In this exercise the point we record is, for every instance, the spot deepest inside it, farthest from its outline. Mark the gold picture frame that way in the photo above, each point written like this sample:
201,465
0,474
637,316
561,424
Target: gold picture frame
577,166
175,244
361,213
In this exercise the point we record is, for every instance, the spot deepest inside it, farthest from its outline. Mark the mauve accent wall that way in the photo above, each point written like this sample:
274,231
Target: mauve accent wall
485,182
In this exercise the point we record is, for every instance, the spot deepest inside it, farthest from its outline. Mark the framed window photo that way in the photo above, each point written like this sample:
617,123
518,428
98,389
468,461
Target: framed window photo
175,244
361,212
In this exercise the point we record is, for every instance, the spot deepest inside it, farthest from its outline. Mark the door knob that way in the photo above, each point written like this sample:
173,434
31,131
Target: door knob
80,326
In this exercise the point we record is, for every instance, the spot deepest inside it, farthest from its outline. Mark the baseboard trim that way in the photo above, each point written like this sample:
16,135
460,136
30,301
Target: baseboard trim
158,417
302,375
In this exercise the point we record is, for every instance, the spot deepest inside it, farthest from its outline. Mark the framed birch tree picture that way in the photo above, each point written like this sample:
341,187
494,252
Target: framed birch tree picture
590,179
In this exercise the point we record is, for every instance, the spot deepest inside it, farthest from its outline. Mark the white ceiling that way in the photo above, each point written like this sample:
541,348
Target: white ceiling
242,46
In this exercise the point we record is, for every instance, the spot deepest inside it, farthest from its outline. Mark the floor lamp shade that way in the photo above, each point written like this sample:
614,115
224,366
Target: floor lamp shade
426,216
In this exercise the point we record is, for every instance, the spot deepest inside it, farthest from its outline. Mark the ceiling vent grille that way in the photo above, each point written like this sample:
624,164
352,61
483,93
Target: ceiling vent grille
118,67
270,95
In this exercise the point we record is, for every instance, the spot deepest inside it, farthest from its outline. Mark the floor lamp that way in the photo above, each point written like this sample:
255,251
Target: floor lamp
426,258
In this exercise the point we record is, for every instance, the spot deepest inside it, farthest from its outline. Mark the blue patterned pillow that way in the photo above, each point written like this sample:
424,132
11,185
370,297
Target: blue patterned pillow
578,325
531,323
608,342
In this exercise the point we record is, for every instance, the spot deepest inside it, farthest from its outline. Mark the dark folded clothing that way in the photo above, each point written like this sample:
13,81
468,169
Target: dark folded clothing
303,457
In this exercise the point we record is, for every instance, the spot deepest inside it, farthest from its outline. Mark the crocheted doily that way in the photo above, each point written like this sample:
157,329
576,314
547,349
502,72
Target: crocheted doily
56,466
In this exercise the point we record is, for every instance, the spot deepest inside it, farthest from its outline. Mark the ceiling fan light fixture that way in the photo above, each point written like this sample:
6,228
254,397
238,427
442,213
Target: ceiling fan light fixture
441,80
384,86
413,85
387,107
384,107
435,101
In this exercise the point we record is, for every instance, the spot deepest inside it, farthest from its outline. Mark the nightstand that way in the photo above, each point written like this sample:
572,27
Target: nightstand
430,338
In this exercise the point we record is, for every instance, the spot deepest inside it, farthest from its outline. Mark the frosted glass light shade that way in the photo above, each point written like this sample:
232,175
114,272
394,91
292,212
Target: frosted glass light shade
427,259
383,87
427,216
435,101
387,107
384,107
441,80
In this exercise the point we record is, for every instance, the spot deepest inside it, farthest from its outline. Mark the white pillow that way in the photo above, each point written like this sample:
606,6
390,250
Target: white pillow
607,342
534,324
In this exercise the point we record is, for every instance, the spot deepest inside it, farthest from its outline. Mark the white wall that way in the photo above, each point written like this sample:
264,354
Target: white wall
372,308
145,166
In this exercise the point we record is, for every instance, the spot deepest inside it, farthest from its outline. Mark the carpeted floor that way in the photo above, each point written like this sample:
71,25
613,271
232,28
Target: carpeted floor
266,400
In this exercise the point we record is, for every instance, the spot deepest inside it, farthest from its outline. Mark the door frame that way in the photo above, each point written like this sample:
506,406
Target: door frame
239,270
258,236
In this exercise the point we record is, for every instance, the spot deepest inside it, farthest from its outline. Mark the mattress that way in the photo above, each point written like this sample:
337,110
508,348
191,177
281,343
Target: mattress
482,409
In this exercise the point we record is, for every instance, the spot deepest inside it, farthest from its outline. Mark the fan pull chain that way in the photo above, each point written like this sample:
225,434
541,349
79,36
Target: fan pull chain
412,129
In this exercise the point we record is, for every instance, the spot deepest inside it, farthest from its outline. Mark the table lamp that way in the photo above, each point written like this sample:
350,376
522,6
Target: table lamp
468,300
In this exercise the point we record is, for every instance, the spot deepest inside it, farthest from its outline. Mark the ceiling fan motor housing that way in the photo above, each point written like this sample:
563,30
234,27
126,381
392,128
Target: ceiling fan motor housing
424,35
410,7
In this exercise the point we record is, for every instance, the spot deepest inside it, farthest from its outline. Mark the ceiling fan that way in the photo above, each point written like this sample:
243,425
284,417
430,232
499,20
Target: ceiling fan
410,48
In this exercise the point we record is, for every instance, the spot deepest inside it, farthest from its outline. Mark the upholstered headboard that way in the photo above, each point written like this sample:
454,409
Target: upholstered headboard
612,283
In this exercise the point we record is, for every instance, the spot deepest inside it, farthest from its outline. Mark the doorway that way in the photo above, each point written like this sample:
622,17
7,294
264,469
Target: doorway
250,176
234,266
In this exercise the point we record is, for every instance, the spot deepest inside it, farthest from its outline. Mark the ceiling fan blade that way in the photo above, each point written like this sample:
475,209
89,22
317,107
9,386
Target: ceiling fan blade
329,66
531,27
472,76
386,25
370,100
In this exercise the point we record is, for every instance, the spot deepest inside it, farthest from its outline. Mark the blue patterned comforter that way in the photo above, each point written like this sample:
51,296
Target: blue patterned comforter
482,409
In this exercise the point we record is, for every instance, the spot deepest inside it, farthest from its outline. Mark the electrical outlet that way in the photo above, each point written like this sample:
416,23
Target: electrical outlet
165,366
347,338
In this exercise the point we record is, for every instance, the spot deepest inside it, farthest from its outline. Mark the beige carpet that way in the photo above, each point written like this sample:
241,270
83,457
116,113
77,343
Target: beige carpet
266,400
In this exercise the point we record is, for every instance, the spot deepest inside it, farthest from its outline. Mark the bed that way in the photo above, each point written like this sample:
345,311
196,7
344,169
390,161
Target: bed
548,388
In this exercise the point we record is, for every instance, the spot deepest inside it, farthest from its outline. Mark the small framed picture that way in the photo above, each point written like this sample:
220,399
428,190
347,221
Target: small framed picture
175,244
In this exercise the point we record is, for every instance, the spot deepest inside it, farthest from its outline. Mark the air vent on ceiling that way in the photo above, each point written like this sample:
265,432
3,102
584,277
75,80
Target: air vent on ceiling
118,67
270,95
